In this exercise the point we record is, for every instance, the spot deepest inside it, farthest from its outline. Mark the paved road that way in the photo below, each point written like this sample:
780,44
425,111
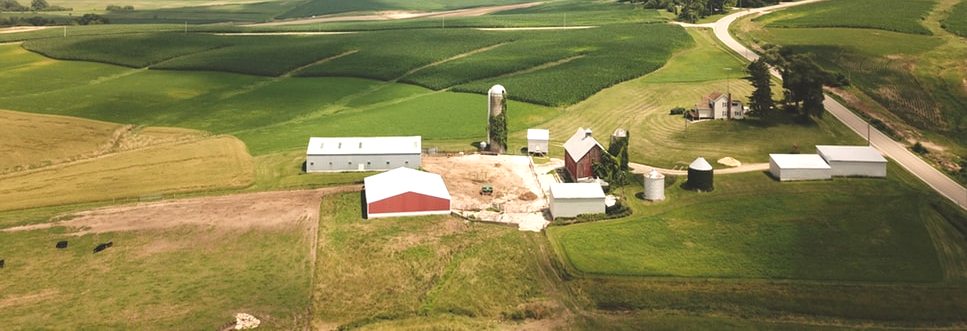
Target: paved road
896,151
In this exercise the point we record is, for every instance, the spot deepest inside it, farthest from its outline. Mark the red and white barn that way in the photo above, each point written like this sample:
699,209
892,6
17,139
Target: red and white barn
581,152
406,192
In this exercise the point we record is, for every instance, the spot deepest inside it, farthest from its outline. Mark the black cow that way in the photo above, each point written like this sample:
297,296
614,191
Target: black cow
101,247
1,263
62,244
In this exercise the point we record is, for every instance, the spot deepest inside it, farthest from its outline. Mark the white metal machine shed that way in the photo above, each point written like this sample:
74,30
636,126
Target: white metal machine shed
790,167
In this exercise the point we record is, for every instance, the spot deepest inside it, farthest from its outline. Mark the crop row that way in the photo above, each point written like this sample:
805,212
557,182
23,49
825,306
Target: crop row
891,15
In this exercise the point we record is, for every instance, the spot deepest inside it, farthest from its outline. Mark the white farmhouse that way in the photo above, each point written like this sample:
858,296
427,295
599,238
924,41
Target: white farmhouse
790,167
573,199
715,106
363,153
859,161
537,140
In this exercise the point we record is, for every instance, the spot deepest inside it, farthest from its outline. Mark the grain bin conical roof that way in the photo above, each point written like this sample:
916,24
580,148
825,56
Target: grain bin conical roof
654,174
700,164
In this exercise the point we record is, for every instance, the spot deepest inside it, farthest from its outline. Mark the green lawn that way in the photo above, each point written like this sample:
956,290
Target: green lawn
890,15
752,226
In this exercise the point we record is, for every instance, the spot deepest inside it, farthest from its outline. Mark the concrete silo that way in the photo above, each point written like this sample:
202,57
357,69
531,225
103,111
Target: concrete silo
654,186
700,175
497,119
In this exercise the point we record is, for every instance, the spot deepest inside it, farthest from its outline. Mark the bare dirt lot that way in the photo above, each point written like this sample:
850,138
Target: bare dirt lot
516,190
240,211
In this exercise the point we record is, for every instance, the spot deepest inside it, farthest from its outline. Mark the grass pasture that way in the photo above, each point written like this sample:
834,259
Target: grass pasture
215,163
190,277
368,271
891,15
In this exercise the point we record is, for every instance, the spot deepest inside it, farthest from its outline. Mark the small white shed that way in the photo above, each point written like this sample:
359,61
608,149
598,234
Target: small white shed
790,167
573,199
860,161
537,140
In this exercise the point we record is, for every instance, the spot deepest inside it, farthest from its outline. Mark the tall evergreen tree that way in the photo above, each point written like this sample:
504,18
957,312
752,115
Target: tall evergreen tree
761,99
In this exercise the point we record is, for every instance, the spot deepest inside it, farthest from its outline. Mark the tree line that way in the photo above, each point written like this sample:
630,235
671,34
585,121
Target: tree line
35,5
802,82
693,10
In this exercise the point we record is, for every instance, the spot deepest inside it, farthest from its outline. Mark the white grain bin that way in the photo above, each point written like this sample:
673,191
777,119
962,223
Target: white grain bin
654,186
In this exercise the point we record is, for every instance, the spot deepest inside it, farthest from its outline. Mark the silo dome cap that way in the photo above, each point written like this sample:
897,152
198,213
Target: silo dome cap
700,164
497,89
654,174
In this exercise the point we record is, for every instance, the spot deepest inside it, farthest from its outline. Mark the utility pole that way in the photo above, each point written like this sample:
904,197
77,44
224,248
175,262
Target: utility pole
186,27
65,30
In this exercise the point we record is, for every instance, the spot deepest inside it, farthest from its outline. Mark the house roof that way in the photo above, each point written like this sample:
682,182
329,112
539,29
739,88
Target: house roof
850,153
538,134
402,180
364,145
700,164
580,144
799,161
576,191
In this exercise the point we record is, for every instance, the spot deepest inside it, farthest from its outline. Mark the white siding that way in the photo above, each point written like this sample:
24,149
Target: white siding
858,169
798,174
331,163
575,207
537,146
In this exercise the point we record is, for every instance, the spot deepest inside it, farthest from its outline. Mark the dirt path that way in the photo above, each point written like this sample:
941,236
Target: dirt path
401,14
538,28
238,211
323,33
23,29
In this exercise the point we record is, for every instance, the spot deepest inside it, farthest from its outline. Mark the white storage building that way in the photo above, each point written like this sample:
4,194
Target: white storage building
860,161
537,140
363,153
789,167
406,192
573,199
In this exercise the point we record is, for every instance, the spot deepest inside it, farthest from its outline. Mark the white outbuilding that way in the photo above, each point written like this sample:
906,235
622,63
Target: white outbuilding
537,140
790,167
406,192
573,199
363,153
859,161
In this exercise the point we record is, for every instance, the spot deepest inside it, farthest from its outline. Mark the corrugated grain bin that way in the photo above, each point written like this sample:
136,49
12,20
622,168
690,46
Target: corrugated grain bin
654,186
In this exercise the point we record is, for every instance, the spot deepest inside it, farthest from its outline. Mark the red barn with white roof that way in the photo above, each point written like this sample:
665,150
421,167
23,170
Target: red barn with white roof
406,192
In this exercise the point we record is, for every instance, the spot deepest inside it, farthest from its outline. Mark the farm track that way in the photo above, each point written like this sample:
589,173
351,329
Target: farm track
938,181
452,58
288,74
397,15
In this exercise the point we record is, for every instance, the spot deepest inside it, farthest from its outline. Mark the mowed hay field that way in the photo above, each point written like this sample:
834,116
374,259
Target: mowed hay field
209,164
30,140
